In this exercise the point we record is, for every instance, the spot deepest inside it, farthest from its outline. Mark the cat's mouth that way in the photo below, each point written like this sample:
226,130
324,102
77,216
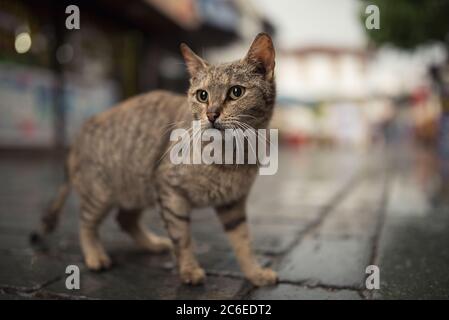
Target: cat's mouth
217,125
223,125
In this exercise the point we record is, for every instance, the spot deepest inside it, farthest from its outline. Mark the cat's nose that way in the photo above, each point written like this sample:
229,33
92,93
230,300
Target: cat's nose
212,116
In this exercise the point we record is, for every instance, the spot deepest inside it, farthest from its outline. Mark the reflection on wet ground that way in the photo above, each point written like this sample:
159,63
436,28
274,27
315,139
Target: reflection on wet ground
320,221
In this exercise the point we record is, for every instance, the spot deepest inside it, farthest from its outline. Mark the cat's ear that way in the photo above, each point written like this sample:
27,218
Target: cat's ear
262,54
193,62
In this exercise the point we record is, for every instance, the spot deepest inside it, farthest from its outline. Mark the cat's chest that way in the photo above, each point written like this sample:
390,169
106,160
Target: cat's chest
208,185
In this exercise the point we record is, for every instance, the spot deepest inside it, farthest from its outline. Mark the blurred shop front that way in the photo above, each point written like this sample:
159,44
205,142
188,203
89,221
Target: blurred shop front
52,78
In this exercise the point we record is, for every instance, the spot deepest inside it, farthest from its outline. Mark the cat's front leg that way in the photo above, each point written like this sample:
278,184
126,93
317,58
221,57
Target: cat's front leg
175,212
233,218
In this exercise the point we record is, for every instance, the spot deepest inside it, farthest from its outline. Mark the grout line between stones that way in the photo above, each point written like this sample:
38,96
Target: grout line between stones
382,212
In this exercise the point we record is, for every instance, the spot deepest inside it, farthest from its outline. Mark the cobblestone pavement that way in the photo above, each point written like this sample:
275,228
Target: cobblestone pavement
320,221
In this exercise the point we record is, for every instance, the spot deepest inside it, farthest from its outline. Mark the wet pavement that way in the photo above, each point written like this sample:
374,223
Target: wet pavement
320,221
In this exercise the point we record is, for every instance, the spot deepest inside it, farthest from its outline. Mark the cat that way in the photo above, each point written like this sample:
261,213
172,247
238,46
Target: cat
118,161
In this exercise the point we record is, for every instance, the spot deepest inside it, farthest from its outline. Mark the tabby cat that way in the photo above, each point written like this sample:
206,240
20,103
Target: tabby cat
119,161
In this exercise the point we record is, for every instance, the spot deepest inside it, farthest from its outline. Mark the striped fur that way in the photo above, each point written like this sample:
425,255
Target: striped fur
120,161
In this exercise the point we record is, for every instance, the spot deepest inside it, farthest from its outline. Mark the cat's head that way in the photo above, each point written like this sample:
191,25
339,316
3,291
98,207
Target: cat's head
235,94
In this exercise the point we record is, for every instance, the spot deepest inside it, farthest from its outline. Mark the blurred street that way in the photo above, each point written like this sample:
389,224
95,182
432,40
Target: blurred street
319,222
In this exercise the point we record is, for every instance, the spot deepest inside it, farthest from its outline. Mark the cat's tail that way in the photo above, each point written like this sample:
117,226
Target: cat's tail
50,218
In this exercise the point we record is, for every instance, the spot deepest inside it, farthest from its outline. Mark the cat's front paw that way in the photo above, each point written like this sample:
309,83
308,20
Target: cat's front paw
192,275
263,277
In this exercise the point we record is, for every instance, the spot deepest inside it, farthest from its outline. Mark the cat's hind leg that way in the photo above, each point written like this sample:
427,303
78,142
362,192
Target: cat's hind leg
129,221
93,211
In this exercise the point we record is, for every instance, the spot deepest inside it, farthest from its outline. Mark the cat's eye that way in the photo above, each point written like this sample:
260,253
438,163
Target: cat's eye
236,92
201,96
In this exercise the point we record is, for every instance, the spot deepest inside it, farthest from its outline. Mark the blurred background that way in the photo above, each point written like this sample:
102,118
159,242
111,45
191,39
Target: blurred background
372,105
338,83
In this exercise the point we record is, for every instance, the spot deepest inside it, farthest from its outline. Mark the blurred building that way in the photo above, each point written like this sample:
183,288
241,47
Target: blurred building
333,86
52,78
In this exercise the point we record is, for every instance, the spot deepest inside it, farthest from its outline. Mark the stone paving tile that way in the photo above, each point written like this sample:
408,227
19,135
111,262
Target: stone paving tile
335,254
26,213
275,239
277,213
336,262
8,296
358,213
138,282
294,204
366,196
29,270
414,252
338,252
292,195
359,224
295,292
14,241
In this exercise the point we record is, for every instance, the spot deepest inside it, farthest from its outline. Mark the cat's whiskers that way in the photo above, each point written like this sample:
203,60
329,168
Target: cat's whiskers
196,135
235,124
245,126
171,125
232,122
238,151
249,127
250,144
188,131
240,125
247,116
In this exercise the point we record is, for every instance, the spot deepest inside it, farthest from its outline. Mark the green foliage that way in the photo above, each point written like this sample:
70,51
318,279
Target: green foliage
409,23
